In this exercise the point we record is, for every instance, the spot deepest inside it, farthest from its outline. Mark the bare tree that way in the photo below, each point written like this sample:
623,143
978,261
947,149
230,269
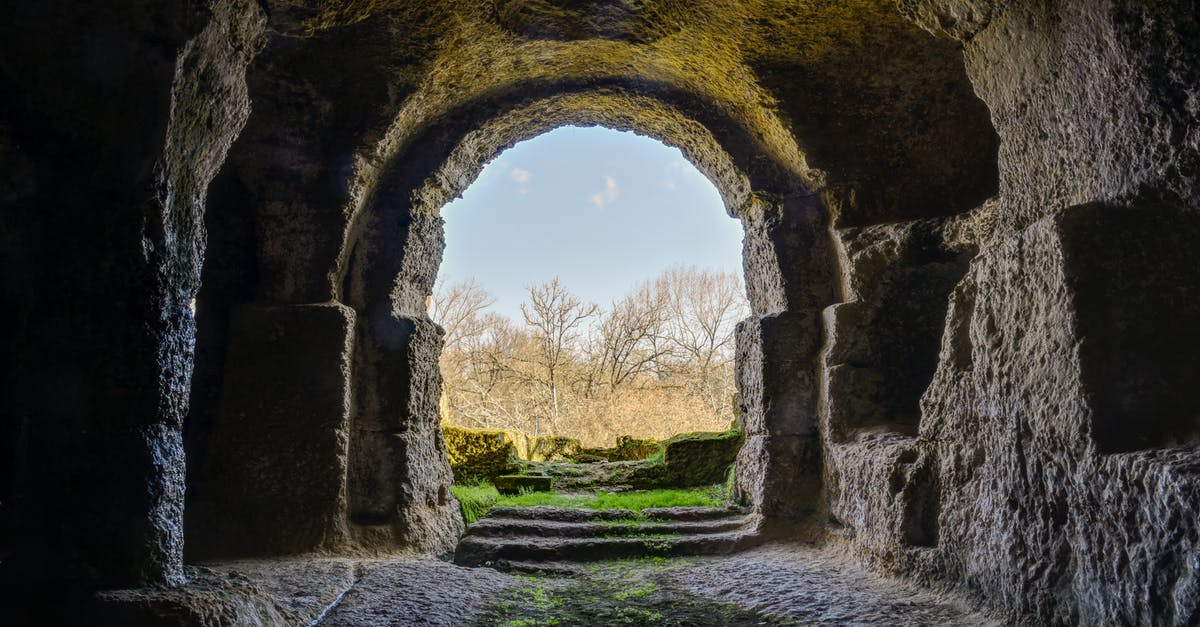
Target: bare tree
705,307
468,376
556,318
630,335
457,309
659,362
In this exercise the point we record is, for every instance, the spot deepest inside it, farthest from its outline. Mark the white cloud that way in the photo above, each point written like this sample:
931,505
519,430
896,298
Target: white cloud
608,194
672,172
522,177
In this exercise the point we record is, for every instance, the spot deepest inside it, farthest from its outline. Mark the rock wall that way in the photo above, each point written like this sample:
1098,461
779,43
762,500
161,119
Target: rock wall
1054,469
370,116
280,437
997,225
118,119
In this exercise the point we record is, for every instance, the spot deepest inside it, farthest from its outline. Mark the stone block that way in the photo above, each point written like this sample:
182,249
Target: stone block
779,475
1135,284
856,398
274,481
477,453
515,484
696,459
553,448
400,473
776,358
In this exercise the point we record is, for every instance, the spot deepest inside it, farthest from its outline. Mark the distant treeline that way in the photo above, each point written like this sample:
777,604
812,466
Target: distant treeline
657,362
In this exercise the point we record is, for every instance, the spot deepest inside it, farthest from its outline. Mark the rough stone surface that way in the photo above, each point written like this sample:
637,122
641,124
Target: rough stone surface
777,584
278,480
881,346
821,586
1028,173
1091,100
275,592
305,587
779,466
207,598
399,472
116,119
1052,474
424,592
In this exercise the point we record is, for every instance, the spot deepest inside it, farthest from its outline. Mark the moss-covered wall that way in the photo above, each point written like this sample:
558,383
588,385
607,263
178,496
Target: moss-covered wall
477,453
694,459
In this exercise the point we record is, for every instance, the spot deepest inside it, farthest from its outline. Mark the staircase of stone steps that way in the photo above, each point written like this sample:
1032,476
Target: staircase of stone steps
519,538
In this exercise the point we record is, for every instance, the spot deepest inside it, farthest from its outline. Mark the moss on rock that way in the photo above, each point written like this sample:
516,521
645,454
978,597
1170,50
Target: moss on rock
693,459
551,448
685,460
628,449
478,453
515,484
688,460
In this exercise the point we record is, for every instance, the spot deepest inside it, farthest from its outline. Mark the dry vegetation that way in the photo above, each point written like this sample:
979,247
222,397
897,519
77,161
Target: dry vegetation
657,362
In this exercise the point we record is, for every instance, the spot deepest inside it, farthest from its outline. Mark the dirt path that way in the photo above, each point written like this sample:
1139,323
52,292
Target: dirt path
775,585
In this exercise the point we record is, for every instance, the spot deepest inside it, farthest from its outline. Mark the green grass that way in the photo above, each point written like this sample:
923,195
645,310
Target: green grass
476,500
637,592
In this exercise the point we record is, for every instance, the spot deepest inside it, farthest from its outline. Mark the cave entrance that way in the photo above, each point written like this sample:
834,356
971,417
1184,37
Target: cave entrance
329,435
589,294
398,459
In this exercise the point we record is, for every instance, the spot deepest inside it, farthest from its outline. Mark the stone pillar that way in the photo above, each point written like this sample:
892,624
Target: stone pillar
274,480
120,121
400,474
790,274
778,470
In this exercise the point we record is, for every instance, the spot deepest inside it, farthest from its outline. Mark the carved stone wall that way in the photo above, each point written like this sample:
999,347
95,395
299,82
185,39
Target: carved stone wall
968,251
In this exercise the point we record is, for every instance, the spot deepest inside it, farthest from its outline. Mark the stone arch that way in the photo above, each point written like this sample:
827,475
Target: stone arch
394,248
453,150
355,237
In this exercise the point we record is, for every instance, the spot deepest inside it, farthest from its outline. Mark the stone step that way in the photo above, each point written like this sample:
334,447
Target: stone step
692,513
489,526
516,540
544,569
493,551
563,514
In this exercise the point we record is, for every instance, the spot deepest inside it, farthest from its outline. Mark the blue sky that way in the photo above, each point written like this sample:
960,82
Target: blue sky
601,209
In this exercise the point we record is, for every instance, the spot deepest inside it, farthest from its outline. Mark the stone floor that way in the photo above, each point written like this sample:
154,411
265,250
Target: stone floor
771,585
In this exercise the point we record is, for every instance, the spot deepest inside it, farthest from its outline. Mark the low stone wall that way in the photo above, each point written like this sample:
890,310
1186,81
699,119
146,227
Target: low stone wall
478,454
685,460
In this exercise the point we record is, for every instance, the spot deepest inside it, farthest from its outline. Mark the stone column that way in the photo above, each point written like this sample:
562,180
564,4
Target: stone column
779,466
789,270
123,117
